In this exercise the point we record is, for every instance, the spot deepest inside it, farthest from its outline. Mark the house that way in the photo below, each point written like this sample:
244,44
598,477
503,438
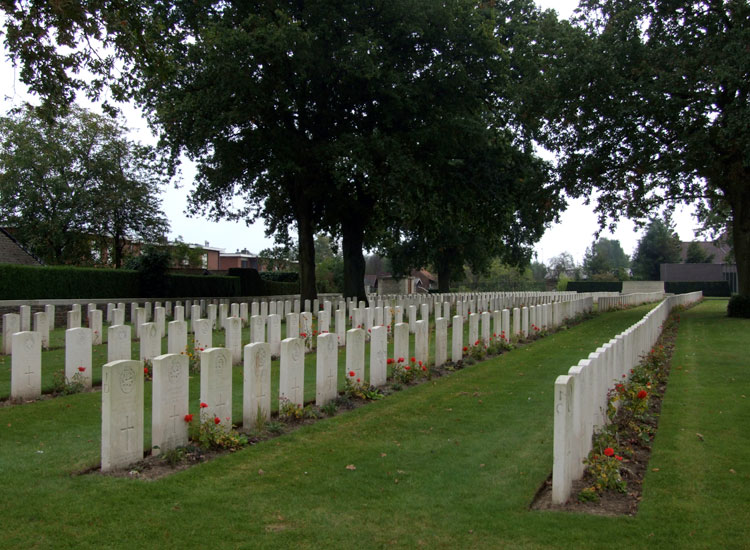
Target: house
11,251
716,271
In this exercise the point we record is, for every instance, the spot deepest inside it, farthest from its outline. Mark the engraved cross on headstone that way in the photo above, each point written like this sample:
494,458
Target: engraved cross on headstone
29,372
173,417
127,429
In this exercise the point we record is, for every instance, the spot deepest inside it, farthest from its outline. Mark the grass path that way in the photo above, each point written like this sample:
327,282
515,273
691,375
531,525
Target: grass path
449,464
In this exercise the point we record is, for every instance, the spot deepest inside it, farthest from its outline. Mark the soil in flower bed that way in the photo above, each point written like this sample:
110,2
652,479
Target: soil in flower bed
633,470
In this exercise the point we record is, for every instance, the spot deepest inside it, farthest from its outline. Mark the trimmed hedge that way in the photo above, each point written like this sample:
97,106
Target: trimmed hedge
22,282
594,286
273,288
709,288
253,283
280,276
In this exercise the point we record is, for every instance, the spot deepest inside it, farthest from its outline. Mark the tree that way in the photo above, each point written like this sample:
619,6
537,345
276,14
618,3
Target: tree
562,264
651,106
78,179
659,245
695,254
280,258
606,260
184,255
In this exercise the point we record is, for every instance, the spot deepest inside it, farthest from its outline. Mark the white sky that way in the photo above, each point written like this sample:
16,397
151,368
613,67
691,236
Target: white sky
573,234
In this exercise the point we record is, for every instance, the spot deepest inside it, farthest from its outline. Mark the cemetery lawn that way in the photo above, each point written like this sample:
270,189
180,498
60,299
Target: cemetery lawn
452,463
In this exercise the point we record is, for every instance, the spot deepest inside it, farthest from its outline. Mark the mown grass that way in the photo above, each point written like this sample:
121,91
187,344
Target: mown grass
453,463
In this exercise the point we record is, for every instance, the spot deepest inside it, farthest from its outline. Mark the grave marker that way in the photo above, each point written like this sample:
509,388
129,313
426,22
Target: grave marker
26,365
256,389
216,385
169,407
122,414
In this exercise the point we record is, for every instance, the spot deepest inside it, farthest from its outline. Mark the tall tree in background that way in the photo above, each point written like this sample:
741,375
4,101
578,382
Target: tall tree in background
659,245
695,254
652,105
69,184
605,259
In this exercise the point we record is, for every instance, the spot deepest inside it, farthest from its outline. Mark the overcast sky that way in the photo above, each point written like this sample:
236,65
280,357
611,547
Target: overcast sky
573,234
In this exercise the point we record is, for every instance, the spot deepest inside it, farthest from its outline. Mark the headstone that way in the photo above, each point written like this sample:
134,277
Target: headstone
140,319
169,404
274,334
25,313
457,338
441,341
244,314
398,315
292,372
216,385
203,334
473,329
256,389
412,319
326,369
49,309
223,314
148,308
211,314
25,365
41,325
516,322
324,322
150,342
168,309
234,310
160,320
110,308
195,314
292,325
485,332
122,414
78,355
401,342
74,318
233,338
95,324
355,355
378,355
179,313
254,309
118,317
118,343
341,326
257,329
505,326
177,341
524,321
422,342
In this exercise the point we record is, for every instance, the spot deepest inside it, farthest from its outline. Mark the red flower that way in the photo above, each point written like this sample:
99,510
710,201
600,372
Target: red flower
424,368
618,457
609,451
407,367
358,380
145,370
476,343
413,359
643,394
352,373
466,349
204,405
81,369
188,417
400,359
303,334
389,361
217,420
420,363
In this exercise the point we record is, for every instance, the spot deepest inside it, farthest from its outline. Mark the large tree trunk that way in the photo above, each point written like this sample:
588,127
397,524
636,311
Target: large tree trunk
117,246
444,278
306,255
740,204
352,238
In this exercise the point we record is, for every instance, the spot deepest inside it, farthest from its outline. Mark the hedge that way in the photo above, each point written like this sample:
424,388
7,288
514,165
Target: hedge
253,283
273,288
21,282
594,286
280,276
709,288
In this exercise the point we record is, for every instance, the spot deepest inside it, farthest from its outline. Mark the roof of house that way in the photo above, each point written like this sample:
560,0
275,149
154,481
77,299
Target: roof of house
718,249
11,251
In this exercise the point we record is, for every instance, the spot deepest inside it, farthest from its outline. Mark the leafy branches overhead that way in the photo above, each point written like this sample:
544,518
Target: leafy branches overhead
77,183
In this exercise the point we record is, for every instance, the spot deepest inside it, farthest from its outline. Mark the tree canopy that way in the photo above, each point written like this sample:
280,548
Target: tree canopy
75,185
606,260
650,103
659,245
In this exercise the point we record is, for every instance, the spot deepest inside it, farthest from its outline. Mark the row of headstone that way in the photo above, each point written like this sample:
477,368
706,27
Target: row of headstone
581,395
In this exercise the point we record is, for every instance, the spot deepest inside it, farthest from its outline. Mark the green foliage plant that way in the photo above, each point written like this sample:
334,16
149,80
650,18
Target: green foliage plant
64,386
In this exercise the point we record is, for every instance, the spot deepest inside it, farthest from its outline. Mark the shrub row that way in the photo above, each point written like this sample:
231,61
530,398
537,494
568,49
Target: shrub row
280,276
594,286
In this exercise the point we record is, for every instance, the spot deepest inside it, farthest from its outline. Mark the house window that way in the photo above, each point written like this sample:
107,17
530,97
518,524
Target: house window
244,264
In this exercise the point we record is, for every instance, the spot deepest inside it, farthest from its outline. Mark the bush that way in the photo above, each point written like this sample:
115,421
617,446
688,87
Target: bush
183,286
280,276
594,286
21,282
739,306
251,283
709,288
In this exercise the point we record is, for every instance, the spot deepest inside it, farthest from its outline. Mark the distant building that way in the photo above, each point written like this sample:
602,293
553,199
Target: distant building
716,271
11,251
419,280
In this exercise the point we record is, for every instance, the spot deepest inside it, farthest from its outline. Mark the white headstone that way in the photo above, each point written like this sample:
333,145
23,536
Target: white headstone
179,313
326,369
41,325
256,390
324,322
292,371
49,309
292,325
422,343
122,414
457,338
118,316
74,318
150,342
412,319
203,334
140,319
257,329
160,320
25,313
274,334
233,338
211,314
216,385
26,365
378,355
78,355
341,326
473,329
355,355
177,337
169,429
441,341
401,342
95,324
118,343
